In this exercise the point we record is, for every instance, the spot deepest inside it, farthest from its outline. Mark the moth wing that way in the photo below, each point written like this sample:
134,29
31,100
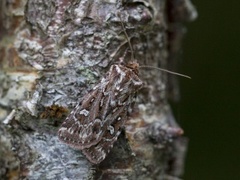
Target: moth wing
87,123
99,151
83,128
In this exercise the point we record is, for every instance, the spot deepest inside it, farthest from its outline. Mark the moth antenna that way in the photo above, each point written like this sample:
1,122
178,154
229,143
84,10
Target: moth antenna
168,71
132,55
127,37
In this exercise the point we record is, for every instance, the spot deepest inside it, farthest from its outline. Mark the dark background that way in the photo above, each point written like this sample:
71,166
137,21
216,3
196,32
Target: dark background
209,108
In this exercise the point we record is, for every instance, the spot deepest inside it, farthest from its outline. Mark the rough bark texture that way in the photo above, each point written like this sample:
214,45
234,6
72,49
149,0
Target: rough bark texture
53,52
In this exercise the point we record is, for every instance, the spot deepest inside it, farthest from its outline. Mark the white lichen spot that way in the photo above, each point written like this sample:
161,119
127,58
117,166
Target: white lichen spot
10,117
111,1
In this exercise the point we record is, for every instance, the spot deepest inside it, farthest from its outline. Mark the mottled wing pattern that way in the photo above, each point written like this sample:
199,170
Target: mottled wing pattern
98,152
82,128
95,123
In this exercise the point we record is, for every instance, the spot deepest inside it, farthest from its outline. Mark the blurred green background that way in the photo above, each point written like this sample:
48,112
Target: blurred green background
209,108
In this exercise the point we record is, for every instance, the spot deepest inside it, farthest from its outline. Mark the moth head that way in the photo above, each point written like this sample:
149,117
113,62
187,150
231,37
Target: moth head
134,66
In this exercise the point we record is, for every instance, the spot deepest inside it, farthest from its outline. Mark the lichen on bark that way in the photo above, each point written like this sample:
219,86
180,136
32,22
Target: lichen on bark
56,52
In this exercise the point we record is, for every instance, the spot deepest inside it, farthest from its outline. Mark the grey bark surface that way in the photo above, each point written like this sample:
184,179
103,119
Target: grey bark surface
54,52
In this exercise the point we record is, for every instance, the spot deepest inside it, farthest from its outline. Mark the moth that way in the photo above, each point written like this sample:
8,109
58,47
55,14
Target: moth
96,122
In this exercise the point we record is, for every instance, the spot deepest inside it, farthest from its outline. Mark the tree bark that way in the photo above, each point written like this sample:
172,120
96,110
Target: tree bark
54,52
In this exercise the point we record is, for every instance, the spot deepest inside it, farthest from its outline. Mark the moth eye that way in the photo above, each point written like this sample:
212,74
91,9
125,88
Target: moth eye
92,100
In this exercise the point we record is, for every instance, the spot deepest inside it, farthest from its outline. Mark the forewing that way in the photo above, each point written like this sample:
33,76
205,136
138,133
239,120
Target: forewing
98,152
83,128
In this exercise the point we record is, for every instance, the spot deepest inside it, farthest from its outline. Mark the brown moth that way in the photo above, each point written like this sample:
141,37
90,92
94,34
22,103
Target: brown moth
95,123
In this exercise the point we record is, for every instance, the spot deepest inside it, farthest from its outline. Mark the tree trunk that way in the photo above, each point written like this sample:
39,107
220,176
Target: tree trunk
52,55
